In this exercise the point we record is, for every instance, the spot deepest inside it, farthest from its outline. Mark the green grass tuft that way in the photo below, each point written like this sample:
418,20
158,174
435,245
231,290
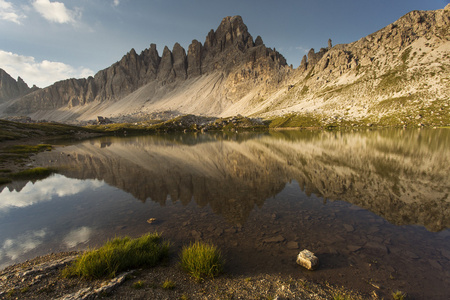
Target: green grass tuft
202,260
168,285
398,295
138,284
118,255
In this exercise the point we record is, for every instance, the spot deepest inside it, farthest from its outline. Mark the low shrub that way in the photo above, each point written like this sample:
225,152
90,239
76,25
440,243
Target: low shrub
118,255
202,260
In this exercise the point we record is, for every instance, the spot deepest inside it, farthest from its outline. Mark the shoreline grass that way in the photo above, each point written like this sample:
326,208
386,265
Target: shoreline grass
202,260
26,149
118,255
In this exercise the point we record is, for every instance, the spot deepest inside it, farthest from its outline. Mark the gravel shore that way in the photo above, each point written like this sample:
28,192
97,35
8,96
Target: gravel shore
40,278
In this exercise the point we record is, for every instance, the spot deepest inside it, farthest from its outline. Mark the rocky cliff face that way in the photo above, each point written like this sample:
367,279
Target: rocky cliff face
10,88
398,73
229,50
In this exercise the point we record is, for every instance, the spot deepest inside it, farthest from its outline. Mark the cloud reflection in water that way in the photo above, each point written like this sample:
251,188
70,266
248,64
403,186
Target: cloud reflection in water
13,248
78,236
45,190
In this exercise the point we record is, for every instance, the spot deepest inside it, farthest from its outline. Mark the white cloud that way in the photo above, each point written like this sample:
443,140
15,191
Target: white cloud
9,13
55,11
42,73
116,2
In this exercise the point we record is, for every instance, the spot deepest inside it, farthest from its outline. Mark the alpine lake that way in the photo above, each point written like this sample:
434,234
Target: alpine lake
373,205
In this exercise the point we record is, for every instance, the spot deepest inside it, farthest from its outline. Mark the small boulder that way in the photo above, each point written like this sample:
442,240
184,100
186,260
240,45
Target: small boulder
308,260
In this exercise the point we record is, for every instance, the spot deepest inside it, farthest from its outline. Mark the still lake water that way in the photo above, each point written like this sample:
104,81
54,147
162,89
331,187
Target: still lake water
373,205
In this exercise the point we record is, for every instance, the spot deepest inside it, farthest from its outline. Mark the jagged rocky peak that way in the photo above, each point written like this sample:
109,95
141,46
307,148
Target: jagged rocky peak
194,59
179,61
229,50
259,41
151,60
312,58
231,31
10,88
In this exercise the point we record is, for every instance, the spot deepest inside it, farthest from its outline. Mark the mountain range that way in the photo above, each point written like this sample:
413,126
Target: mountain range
397,74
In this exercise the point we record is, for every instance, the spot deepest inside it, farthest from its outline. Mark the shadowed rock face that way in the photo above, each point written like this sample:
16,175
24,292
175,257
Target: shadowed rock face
10,88
402,176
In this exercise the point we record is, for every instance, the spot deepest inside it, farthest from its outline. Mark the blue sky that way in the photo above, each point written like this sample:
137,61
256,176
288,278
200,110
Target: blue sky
47,40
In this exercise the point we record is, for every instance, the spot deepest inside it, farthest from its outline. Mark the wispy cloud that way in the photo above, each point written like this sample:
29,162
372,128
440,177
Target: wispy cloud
9,13
40,73
116,2
55,12
301,49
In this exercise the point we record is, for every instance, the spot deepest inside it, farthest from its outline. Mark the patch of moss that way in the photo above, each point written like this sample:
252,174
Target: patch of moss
294,120
304,90
405,55
309,75
392,103
25,149
393,79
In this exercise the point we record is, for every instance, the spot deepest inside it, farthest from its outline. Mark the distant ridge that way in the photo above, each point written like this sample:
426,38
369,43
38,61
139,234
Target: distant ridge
401,71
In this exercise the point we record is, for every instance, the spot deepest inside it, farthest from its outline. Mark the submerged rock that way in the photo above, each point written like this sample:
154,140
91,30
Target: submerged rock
308,260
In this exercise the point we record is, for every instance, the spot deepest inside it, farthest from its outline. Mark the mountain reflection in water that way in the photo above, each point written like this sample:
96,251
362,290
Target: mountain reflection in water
259,197
401,175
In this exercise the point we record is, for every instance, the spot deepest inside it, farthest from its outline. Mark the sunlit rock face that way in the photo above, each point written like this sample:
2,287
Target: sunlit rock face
228,52
402,176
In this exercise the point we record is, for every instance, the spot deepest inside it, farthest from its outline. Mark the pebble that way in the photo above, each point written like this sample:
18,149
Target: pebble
349,227
353,248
